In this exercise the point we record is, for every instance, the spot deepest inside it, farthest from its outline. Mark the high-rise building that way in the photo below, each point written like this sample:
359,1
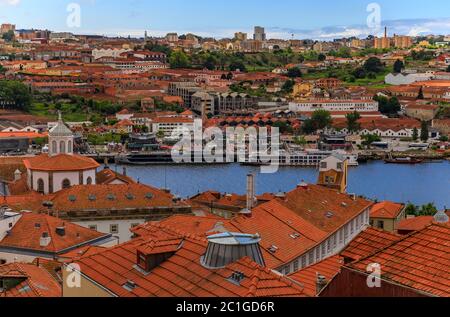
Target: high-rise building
240,36
260,34
382,43
402,41
5,28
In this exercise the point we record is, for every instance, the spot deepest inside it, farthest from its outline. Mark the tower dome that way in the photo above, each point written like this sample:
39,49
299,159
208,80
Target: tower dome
60,138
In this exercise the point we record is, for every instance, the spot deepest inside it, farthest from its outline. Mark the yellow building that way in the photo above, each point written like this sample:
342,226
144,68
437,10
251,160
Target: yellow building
303,89
333,173
386,215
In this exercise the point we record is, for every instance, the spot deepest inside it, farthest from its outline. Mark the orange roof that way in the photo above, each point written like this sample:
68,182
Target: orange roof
111,197
386,210
21,134
419,261
367,242
27,232
34,281
264,219
60,162
307,277
181,275
416,223
313,203
107,176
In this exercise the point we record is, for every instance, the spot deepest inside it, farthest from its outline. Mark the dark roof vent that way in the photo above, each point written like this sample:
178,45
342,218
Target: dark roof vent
61,231
226,248
92,197
236,278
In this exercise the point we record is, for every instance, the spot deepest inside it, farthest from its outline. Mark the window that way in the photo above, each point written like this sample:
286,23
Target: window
114,229
304,261
65,184
2,261
93,227
62,147
380,224
323,165
69,147
296,266
40,185
311,257
54,147
89,181
339,166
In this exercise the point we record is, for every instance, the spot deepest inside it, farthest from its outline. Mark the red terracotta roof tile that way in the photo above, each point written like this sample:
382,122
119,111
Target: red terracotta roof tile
37,282
368,242
419,261
27,232
307,277
386,210
61,162
181,275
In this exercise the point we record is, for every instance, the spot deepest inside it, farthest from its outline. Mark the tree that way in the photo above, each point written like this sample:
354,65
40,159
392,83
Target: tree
237,65
210,63
421,96
288,86
2,69
16,93
294,72
369,139
374,65
321,119
398,66
352,121
448,69
8,36
415,135
300,140
179,59
322,57
424,134
359,73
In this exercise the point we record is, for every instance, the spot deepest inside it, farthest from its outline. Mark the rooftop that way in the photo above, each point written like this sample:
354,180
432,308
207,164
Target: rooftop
419,261
386,210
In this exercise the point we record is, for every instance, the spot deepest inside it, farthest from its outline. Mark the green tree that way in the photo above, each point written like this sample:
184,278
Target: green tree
415,135
179,59
398,66
322,57
421,96
369,139
16,93
352,122
321,119
237,65
8,36
448,69
374,65
210,63
300,140
294,72
288,86
424,134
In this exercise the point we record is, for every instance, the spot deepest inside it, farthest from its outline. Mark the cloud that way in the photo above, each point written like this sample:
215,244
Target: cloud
10,2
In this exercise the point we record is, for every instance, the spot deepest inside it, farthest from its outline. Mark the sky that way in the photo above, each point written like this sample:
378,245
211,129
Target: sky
320,19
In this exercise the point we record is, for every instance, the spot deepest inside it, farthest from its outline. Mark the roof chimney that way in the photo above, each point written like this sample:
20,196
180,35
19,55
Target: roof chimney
321,282
226,248
441,217
17,175
250,191
45,239
105,160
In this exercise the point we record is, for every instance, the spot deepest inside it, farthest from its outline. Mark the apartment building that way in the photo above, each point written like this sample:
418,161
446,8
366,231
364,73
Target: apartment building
334,105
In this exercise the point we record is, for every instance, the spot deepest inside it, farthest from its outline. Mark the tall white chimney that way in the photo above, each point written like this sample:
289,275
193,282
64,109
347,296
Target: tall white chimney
250,191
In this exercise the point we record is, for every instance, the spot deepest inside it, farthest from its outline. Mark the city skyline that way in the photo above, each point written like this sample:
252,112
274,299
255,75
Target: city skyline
298,19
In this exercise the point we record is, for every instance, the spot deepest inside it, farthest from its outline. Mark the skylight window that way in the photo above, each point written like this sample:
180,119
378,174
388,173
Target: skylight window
92,197
129,286
111,197
149,195
129,196
329,214
72,198
273,249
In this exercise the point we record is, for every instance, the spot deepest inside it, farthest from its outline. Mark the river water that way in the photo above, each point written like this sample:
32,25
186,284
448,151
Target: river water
419,184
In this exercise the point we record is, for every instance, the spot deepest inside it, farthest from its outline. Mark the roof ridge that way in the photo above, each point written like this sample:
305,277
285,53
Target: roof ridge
395,242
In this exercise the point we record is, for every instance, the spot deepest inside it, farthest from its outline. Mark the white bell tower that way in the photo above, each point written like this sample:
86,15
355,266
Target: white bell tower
60,139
